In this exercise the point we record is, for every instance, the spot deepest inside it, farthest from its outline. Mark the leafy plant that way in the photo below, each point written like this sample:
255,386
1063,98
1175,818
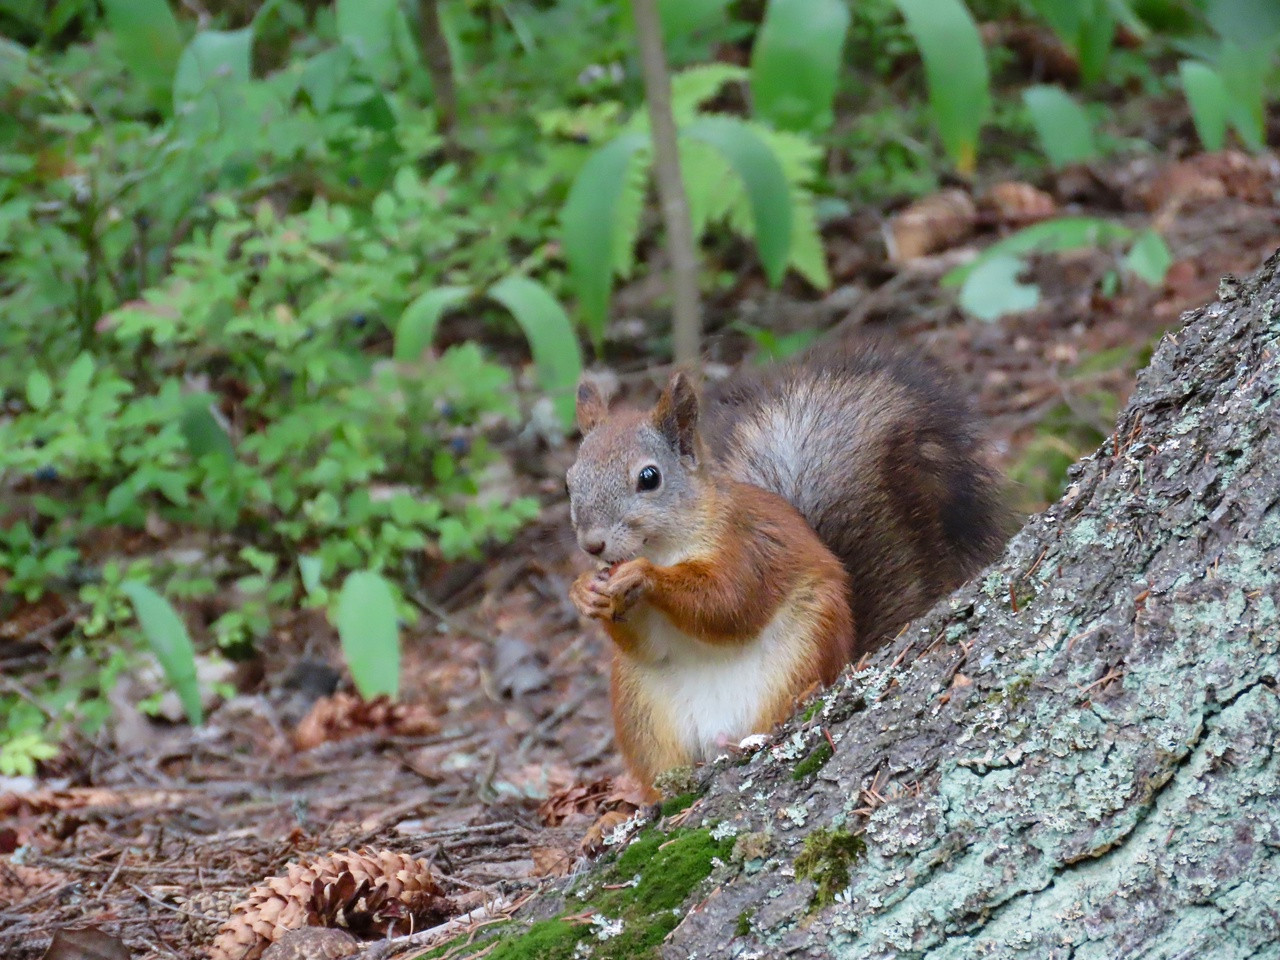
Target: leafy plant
989,286
167,636
956,70
795,63
369,629
738,173
1063,127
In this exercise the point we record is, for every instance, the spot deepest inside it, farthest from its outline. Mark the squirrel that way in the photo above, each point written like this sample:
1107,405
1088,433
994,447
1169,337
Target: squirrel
754,542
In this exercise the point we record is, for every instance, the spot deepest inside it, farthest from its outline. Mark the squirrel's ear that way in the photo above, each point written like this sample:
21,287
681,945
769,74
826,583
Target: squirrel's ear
676,415
591,408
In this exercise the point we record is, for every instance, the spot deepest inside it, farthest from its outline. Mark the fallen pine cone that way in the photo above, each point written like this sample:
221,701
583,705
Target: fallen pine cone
347,715
370,893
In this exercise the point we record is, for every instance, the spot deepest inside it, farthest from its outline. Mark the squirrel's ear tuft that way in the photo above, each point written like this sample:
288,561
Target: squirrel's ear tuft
676,414
591,408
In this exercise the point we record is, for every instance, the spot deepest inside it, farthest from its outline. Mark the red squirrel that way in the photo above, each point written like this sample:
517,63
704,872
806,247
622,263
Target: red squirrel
754,542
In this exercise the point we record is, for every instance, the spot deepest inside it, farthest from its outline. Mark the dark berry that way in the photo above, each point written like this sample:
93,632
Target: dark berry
359,320
46,474
460,446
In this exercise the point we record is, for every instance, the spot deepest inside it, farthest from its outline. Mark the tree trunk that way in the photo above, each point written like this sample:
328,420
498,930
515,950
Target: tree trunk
1076,755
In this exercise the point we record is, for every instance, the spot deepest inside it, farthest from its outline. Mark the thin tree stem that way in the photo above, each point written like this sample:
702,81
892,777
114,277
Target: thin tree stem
439,63
687,320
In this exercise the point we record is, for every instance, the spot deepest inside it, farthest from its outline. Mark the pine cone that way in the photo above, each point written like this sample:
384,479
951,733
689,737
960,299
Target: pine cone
370,893
346,715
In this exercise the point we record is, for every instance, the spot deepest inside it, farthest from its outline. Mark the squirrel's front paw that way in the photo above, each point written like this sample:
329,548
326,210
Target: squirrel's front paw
586,594
627,584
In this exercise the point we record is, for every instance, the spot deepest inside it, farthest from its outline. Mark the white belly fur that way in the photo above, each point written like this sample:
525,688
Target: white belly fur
711,692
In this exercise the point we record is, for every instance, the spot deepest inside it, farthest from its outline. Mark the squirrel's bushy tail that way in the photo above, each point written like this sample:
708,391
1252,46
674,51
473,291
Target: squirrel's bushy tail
881,455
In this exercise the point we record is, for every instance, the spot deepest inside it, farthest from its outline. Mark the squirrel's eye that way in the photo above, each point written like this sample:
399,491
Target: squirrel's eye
648,479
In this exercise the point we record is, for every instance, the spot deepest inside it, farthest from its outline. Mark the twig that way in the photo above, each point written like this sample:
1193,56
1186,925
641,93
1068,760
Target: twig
481,916
687,320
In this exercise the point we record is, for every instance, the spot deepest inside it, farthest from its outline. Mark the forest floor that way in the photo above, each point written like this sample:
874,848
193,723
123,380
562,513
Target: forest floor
501,753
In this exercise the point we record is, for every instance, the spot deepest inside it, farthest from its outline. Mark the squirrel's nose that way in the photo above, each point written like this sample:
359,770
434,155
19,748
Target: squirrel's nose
594,546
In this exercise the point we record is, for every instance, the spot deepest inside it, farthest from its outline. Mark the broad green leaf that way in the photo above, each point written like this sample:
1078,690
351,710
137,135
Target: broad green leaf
214,62
795,62
417,326
39,390
589,221
761,173
1064,233
369,28
993,290
550,334
1245,23
1062,125
1149,258
956,69
1207,98
202,431
149,42
370,633
1244,71
1094,39
167,636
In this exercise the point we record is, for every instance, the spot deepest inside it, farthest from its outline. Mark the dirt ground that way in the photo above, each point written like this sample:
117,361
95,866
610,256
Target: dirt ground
501,753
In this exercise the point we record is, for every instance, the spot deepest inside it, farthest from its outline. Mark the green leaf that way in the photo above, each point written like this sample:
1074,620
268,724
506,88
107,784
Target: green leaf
1064,233
323,75
311,568
1149,258
956,70
39,390
216,62
149,42
1207,98
766,184
550,334
588,221
1062,125
1244,71
370,633
795,62
202,431
167,636
993,290
369,28
417,326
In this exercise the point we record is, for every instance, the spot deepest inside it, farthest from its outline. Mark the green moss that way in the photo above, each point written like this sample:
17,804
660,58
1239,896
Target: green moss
676,804
815,761
548,940
743,926
669,867
826,859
